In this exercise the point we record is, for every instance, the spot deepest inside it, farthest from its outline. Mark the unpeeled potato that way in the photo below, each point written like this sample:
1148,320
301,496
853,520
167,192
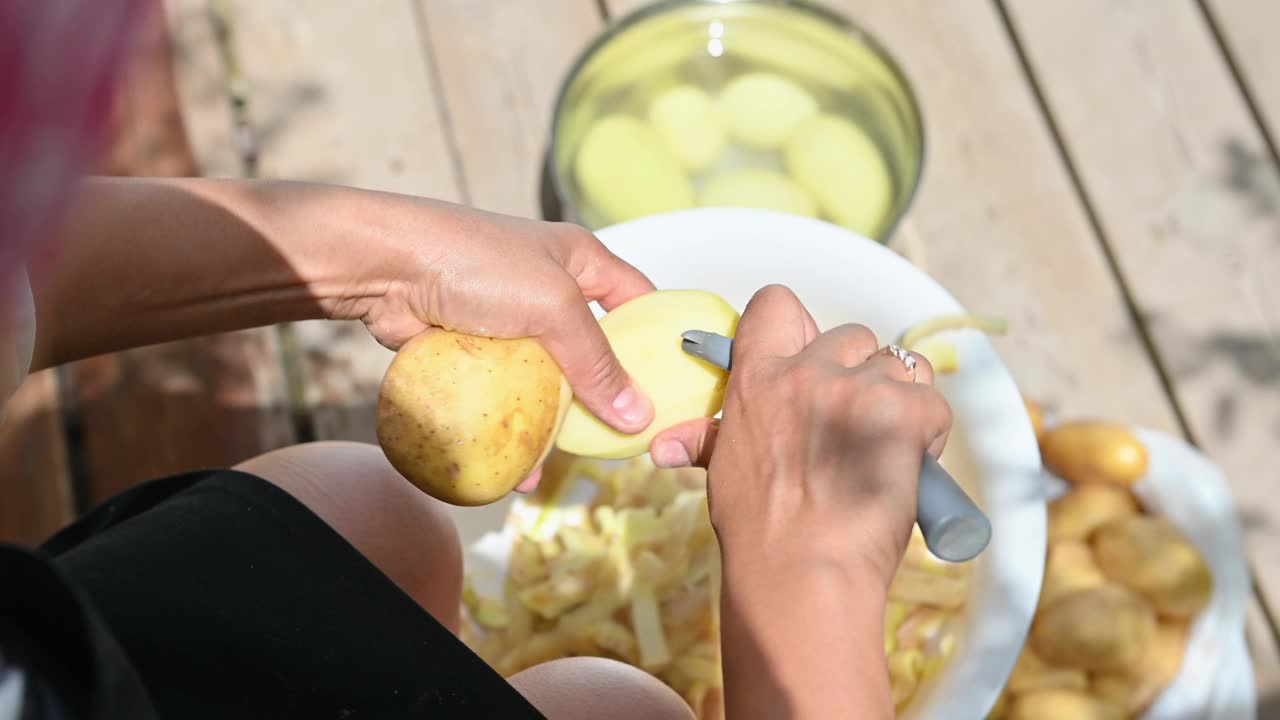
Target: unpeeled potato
1031,673
1091,451
1133,691
1061,704
1087,507
1069,568
1150,556
645,335
1036,413
1106,628
467,418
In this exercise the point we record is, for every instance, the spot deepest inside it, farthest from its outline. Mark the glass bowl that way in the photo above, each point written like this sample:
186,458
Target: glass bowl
769,104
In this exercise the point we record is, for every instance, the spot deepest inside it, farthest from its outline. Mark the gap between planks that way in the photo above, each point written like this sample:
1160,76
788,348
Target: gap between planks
1159,72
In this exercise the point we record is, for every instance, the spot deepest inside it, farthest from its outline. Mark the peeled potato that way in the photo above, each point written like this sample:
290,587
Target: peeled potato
1085,508
839,164
1091,451
467,418
763,189
1106,628
1069,568
645,335
1150,556
763,109
687,120
1061,704
1133,691
626,171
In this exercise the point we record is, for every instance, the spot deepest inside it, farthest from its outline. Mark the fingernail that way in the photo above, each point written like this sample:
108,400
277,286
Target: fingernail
632,407
670,454
530,483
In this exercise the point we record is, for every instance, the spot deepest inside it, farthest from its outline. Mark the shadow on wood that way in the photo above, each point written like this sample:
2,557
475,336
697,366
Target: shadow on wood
35,489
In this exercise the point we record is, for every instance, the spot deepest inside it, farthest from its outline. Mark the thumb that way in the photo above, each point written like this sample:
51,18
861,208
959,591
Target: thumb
686,444
598,380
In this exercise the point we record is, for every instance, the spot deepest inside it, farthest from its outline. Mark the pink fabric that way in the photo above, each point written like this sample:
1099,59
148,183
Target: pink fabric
60,63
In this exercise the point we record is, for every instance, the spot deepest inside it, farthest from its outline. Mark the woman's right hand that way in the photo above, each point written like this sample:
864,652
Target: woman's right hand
821,442
812,488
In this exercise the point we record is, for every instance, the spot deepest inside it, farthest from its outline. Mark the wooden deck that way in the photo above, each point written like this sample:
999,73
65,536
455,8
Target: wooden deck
1102,173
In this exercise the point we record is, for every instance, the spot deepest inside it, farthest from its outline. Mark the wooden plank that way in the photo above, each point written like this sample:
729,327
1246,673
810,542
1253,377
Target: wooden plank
1182,183
1248,28
1264,649
201,82
997,216
343,93
998,222
499,78
208,402
35,488
619,8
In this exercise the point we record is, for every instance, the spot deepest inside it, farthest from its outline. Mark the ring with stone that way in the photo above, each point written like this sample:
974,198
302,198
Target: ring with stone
908,360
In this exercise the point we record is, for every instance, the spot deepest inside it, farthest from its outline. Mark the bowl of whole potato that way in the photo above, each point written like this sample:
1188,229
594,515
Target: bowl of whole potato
613,557
768,104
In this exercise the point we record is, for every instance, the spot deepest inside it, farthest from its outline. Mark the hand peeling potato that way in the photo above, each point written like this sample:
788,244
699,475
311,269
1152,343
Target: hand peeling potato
466,418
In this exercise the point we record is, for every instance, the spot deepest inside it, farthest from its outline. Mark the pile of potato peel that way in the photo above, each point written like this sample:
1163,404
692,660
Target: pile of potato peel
1121,587
635,576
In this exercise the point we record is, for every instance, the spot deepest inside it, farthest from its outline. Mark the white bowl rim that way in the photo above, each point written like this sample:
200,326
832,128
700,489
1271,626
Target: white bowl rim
1007,577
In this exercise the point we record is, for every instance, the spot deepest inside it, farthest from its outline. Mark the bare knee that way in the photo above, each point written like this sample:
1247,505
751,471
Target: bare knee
408,535
579,688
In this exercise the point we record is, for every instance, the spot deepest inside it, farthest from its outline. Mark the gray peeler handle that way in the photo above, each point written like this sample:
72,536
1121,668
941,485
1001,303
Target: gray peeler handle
953,527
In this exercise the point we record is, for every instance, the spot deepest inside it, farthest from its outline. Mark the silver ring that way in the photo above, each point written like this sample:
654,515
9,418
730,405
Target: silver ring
908,360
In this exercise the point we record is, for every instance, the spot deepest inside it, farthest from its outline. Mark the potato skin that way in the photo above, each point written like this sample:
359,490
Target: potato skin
466,418
1135,690
1091,451
1069,568
1036,413
1087,507
1150,556
1102,629
1061,704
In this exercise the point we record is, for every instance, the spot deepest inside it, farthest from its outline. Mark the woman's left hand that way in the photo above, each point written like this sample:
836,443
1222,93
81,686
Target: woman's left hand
144,261
500,276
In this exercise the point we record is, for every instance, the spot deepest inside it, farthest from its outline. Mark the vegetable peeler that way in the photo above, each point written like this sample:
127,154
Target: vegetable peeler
954,528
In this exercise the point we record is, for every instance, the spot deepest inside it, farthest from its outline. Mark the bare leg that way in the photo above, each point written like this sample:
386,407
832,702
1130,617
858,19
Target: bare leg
408,535
585,688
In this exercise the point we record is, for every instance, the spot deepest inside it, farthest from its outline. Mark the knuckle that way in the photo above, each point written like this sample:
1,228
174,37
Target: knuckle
857,333
889,410
941,410
602,371
803,378
772,294
924,368
565,296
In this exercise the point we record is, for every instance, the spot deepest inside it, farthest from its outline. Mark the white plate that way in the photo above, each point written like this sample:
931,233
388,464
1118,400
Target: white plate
842,277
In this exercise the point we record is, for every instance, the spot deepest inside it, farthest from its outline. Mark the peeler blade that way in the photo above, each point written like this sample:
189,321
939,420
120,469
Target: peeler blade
708,346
